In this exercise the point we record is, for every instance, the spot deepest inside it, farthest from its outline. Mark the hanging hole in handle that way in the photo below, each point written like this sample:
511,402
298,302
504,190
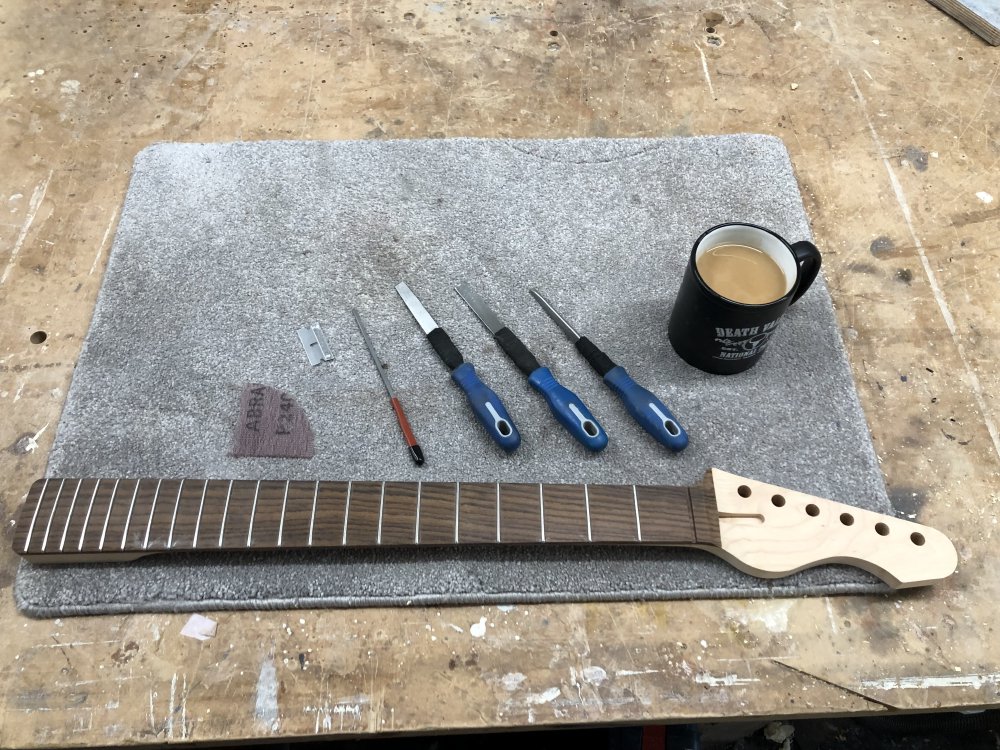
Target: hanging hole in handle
881,529
503,427
917,538
671,427
743,491
590,428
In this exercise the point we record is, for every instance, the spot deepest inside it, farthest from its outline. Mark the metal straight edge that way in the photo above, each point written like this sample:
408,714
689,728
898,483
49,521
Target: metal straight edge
416,308
315,343
480,308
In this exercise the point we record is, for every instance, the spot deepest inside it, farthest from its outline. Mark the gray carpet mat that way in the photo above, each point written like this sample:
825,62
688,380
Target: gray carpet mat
224,250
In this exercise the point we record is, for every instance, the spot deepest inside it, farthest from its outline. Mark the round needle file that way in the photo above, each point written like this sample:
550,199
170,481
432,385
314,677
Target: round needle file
404,424
486,405
646,409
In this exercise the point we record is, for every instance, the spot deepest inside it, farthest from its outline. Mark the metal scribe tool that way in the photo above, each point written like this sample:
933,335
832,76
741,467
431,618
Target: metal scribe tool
646,409
486,405
565,405
404,424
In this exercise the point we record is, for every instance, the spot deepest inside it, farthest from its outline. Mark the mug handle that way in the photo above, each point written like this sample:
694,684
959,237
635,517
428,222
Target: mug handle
808,259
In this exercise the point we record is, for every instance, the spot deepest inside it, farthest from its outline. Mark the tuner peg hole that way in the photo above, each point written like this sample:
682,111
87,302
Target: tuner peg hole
917,538
847,519
812,510
881,529
778,501
743,490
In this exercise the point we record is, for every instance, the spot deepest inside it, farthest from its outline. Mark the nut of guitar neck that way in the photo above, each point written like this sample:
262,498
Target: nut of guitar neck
770,531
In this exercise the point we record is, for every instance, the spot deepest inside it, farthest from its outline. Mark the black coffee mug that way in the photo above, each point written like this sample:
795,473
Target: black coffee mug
720,335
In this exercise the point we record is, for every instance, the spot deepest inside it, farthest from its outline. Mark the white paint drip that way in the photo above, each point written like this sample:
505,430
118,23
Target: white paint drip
726,680
904,206
455,628
512,681
594,675
984,197
975,681
704,67
33,205
266,705
831,617
478,629
69,87
171,706
634,672
104,240
537,699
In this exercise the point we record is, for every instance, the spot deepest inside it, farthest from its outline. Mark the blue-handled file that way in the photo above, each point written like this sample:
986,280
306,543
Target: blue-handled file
569,410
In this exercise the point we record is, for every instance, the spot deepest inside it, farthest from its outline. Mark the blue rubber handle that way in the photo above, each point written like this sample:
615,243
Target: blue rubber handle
647,410
571,412
487,407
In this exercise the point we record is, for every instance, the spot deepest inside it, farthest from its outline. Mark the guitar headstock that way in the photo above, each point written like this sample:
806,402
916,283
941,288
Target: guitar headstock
770,531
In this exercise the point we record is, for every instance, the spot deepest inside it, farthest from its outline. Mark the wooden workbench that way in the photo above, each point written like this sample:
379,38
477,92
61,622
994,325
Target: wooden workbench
892,115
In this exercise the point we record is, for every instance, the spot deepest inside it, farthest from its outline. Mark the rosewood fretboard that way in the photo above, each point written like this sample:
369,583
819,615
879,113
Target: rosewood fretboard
96,519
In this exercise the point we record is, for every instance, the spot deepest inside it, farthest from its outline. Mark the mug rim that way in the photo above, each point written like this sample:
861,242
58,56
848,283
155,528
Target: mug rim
704,284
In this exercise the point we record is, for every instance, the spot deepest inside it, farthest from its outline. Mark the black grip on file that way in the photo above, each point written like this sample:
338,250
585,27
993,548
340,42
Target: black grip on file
600,361
443,345
517,351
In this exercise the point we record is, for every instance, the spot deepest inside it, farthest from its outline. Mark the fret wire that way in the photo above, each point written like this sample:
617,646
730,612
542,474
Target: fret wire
69,516
416,530
52,513
381,504
284,504
458,486
638,526
201,508
225,512
131,507
541,508
152,510
31,526
86,518
498,511
347,511
107,516
253,512
312,518
173,519
586,502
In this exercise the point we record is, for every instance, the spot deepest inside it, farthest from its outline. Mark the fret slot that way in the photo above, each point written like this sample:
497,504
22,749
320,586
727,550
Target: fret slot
184,518
267,516
665,515
237,514
399,513
91,531
520,514
477,517
612,514
565,513
362,520
437,513
28,521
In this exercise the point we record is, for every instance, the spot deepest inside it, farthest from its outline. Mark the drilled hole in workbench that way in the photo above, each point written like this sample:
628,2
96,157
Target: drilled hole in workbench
553,33
38,337
710,29
812,510
881,529
917,538
743,490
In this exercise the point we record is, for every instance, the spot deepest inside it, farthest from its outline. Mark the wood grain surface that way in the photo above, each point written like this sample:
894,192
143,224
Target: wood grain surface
890,113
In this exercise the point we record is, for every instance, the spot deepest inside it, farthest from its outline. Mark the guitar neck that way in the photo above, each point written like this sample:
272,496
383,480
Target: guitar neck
762,529
106,519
